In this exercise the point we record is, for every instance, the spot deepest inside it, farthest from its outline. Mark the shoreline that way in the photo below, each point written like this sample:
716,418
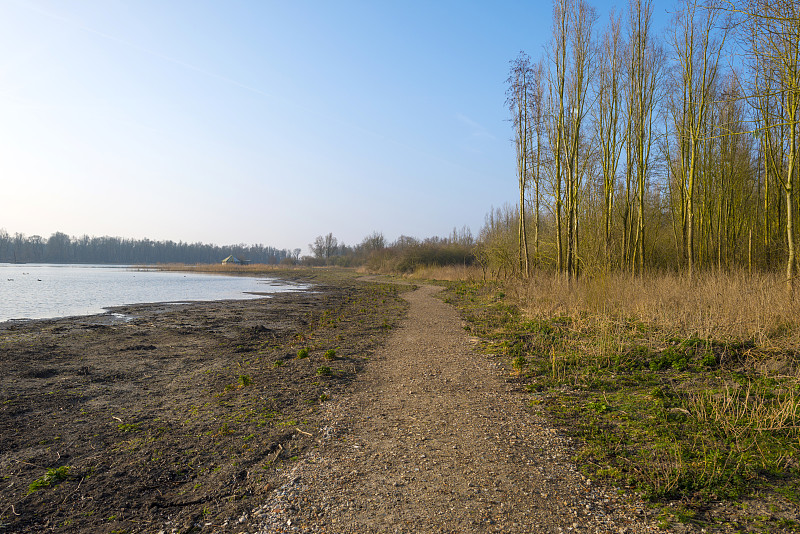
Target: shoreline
53,292
180,416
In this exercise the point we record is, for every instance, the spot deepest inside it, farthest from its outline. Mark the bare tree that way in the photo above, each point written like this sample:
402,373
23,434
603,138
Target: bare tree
567,107
557,106
582,18
698,53
773,27
324,247
645,64
607,117
519,100
539,144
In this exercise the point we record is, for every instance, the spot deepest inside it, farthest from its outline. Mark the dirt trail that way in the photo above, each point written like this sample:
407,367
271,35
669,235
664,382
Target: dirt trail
434,440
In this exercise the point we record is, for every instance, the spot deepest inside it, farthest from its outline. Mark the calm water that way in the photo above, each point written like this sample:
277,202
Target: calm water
31,291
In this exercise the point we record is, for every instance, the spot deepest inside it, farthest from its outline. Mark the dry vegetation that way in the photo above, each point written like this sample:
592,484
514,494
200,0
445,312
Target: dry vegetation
448,273
685,386
722,306
223,268
688,392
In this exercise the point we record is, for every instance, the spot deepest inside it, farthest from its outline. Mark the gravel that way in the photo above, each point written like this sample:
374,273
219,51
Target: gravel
434,439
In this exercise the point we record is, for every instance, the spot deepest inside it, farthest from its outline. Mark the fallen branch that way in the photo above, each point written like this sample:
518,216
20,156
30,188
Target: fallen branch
306,433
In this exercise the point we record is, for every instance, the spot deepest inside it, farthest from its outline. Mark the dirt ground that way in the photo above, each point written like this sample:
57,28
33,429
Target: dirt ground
181,418
210,417
435,437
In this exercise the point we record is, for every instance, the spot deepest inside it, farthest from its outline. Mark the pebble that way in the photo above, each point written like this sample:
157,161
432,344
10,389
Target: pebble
377,485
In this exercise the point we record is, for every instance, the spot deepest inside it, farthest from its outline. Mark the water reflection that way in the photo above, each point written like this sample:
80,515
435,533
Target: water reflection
32,291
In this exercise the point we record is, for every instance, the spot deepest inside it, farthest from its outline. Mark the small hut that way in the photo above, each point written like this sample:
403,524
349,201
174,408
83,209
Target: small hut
232,260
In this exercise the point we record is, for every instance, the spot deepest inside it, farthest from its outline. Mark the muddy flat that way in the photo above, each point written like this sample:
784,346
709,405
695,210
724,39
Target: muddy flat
180,419
435,438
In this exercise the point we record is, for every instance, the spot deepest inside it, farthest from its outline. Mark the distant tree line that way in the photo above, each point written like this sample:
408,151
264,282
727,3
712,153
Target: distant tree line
374,252
61,248
403,255
638,151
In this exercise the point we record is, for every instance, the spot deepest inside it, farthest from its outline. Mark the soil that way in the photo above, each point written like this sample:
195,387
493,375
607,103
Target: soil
437,438
180,417
202,418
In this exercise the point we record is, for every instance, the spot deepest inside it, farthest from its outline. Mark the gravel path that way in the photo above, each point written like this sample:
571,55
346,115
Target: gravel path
433,439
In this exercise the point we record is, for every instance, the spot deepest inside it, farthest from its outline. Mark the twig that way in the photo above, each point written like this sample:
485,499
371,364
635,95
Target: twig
306,433
117,418
277,453
27,463
14,511
73,491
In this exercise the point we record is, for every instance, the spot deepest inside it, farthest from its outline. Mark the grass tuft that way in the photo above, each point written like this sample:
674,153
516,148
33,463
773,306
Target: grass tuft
689,393
52,476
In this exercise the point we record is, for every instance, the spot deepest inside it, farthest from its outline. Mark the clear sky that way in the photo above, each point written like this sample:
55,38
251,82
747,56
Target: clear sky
271,122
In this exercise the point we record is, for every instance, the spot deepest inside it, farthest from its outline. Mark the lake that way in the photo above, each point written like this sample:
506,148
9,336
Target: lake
36,291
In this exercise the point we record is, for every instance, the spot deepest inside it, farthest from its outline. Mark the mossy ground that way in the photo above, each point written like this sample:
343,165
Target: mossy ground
707,430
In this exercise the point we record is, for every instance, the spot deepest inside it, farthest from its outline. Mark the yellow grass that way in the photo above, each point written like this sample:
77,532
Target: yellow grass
717,305
449,273
253,268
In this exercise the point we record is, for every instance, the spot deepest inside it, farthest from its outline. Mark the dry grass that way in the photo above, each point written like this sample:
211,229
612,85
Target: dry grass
253,268
689,392
450,273
737,409
324,275
719,306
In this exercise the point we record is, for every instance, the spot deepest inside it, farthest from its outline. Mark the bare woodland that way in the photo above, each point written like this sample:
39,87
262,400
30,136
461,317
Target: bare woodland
640,152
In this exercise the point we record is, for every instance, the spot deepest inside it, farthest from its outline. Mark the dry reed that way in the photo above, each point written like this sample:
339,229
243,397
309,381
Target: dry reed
253,268
450,273
720,306
738,410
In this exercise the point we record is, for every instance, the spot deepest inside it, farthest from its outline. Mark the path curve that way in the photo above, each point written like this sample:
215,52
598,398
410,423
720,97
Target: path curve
433,439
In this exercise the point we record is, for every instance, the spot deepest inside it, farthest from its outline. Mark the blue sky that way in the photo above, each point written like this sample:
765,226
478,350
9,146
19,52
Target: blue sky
258,121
